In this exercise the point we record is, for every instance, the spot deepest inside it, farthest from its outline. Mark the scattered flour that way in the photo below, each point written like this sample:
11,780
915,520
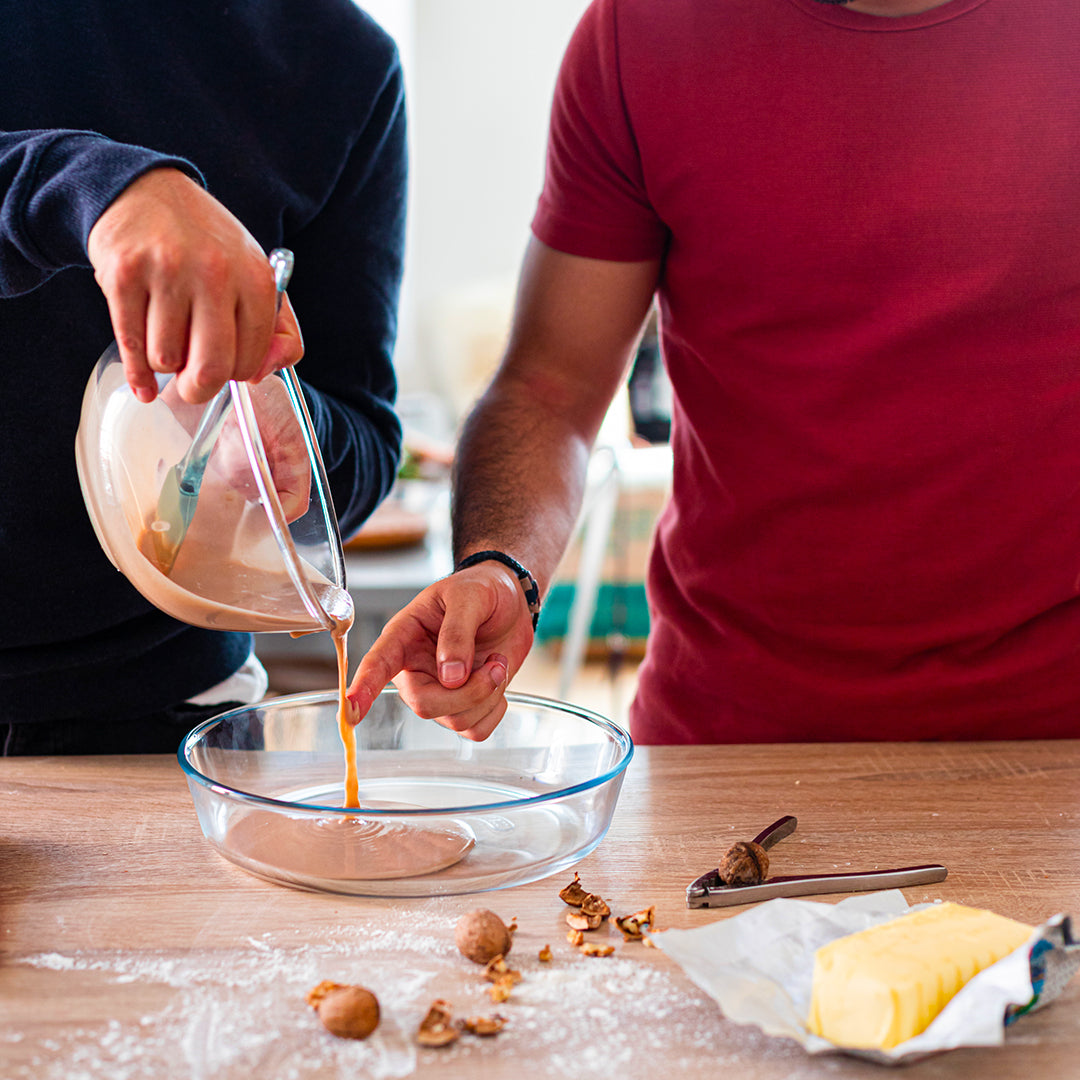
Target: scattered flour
241,1012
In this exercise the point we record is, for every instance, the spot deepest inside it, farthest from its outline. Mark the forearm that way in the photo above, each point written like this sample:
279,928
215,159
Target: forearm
518,478
522,459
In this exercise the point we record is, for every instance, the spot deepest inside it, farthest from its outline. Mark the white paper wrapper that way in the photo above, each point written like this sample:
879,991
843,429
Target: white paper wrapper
759,965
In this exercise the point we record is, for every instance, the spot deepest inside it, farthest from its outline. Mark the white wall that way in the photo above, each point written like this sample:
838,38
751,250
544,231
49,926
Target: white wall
479,75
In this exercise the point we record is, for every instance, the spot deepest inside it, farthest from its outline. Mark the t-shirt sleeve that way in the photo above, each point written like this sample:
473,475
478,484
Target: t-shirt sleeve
594,202
54,185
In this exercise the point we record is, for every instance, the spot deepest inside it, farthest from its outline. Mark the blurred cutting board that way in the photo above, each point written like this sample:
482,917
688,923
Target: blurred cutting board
390,526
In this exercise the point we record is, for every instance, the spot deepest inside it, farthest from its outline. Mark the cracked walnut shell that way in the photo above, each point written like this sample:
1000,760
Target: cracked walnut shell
484,1025
499,971
578,920
595,948
436,1029
573,894
633,926
595,905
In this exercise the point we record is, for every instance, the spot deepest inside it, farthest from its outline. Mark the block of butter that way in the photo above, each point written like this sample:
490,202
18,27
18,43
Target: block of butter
882,986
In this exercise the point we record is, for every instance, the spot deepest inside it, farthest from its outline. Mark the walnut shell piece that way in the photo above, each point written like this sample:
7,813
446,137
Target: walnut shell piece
481,935
499,971
437,1027
595,905
578,920
596,948
484,1025
573,894
633,926
744,863
350,1012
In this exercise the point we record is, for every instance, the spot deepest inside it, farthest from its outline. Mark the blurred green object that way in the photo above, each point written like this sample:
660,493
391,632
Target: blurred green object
409,469
620,609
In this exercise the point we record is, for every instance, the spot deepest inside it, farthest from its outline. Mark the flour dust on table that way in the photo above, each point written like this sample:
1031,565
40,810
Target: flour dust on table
245,1015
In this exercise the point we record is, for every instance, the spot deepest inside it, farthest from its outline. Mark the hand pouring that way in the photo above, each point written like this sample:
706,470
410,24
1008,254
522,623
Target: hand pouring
709,891
180,489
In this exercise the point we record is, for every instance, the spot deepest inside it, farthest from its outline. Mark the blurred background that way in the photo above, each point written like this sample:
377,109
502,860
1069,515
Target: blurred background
479,77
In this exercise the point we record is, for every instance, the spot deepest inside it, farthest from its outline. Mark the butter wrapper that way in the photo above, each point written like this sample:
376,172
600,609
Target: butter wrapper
758,966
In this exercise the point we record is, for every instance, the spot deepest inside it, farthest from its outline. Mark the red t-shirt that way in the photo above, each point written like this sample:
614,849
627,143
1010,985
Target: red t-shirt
870,313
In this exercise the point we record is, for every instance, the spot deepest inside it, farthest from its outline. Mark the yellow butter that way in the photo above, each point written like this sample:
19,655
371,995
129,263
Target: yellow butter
882,986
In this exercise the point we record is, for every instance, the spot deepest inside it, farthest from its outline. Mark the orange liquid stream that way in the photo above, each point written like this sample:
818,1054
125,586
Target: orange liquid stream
340,634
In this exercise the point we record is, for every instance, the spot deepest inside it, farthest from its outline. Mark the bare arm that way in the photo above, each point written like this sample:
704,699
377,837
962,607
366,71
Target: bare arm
524,450
518,485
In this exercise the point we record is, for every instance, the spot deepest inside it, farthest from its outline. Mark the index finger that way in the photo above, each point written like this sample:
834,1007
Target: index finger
377,667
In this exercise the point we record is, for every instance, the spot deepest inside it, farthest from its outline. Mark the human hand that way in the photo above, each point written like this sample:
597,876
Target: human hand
283,442
452,651
189,290
282,438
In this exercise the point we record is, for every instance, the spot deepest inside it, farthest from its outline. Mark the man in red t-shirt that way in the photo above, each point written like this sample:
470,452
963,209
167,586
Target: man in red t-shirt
860,226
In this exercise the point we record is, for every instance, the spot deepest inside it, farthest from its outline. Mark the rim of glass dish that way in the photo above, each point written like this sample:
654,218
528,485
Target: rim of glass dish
620,735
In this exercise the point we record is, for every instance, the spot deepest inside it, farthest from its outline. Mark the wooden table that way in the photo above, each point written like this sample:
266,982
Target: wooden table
129,949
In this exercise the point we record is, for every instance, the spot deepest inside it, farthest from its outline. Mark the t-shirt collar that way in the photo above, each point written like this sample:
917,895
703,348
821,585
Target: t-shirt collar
839,15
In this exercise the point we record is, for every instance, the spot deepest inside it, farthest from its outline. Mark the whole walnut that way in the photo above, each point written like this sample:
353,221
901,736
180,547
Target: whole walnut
350,1012
744,863
481,936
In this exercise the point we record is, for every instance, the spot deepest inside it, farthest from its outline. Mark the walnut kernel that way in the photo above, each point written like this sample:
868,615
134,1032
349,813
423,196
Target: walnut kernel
497,970
594,948
481,936
578,920
633,926
544,955
595,905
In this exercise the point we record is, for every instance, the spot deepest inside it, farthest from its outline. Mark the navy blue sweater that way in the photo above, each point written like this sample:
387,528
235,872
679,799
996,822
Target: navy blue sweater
292,114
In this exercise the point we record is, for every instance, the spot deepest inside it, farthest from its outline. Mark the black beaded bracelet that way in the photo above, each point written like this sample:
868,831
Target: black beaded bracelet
528,582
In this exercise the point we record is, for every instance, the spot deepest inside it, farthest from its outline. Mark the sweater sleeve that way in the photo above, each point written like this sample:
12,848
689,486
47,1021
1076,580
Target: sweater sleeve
54,185
595,201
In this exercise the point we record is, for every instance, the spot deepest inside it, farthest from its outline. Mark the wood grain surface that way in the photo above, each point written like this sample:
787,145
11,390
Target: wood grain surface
128,948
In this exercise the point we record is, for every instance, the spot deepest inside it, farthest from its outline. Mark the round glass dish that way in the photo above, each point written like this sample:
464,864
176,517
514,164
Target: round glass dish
439,814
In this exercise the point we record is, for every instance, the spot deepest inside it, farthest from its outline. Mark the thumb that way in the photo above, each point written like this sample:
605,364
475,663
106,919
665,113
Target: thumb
455,650
286,344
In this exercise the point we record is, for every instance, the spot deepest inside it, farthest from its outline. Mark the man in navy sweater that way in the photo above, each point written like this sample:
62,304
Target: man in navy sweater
164,148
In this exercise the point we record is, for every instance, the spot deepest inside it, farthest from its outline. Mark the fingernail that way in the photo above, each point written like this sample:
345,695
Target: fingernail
498,674
359,703
145,394
452,672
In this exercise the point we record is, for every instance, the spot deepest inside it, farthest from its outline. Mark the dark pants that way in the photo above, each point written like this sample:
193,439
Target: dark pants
159,733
